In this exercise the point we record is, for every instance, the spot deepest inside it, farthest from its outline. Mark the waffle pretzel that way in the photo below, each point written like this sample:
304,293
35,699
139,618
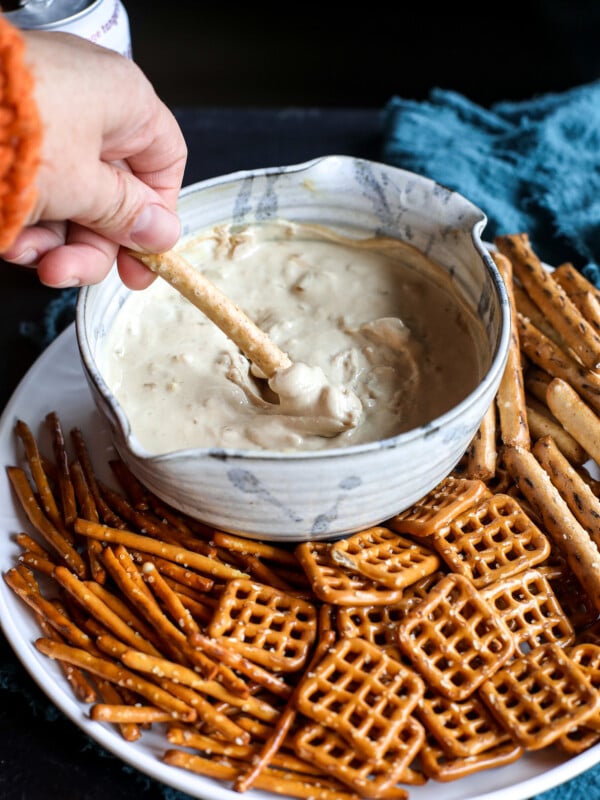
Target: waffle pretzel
444,502
371,779
338,586
491,541
540,696
461,728
454,639
528,605
264,624
385,557
362,694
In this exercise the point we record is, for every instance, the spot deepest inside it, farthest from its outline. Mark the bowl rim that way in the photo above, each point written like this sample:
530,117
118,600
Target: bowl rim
496,367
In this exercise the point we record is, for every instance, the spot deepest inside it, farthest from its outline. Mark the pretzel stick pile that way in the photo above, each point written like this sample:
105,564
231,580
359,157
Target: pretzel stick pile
456,637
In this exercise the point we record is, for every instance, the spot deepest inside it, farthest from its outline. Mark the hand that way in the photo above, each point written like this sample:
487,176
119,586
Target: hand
113,158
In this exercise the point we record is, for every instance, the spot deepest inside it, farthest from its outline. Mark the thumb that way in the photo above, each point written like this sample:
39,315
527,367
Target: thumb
126,210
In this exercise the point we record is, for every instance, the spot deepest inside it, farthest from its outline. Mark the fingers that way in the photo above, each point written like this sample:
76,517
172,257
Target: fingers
31,244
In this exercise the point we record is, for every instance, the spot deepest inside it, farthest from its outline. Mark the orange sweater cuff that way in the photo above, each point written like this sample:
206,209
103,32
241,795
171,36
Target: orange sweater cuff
20,135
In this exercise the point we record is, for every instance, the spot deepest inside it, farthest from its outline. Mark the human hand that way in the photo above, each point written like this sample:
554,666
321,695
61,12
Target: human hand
113,158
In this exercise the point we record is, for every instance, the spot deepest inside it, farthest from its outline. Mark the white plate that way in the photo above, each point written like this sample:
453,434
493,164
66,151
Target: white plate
56,383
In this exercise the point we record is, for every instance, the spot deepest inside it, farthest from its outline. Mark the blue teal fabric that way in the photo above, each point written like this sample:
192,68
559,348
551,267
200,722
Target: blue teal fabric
533,166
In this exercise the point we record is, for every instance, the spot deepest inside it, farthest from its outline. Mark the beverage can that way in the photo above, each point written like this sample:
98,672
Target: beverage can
104,22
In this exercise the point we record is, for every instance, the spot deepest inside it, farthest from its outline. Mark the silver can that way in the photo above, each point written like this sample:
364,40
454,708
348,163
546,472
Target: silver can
104,22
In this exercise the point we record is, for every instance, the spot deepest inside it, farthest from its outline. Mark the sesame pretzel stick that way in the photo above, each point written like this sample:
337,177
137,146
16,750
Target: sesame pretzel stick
551,298
188,281
510,397
123,713
569,537
284,722
546,355
575,415
542,422
482,451
583,503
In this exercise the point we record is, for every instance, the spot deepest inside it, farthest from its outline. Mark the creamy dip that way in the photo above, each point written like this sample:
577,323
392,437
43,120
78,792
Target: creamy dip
368,323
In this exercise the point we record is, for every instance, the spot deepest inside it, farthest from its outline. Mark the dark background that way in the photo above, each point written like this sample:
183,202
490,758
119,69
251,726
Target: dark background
329,54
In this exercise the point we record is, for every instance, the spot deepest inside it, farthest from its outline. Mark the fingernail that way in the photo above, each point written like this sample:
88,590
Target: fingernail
67,282
26,258
156,229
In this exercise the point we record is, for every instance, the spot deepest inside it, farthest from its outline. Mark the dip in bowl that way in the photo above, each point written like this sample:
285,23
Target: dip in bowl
376,277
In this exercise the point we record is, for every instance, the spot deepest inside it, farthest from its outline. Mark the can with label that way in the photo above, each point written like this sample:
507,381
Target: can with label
104,22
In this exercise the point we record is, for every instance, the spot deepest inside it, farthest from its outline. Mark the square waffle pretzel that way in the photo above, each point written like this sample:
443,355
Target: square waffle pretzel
444,502
264,624
362,694
385,557
370,778
376,624
491,540
461,728
528,605
540,696
454,639
336,585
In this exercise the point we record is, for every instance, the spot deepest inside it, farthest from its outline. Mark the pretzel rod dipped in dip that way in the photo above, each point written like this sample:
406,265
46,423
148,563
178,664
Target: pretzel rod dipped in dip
321,340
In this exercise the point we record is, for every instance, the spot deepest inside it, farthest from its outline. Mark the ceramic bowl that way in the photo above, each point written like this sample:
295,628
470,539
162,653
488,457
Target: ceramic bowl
324,494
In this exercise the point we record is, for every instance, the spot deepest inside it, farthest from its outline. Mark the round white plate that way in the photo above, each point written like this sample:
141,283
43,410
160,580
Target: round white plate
56,383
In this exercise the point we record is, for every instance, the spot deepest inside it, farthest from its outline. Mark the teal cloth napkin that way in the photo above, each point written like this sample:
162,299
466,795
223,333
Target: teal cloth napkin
533,166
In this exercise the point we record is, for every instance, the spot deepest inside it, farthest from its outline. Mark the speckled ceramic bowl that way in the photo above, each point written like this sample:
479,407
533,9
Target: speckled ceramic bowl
319,495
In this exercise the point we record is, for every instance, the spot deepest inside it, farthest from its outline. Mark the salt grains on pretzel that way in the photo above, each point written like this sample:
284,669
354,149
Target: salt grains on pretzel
454,639
362,694
265,625
491,540
529,607
539,696
385,557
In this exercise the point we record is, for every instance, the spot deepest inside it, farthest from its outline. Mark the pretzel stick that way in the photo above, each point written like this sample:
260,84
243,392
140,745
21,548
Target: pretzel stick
82,688
584,504
179,555
188,281
36,601
38,473
551,298
576,285
284,722
569,537
238,662
88,510
43,525
546,355
575,415
109,712
510,398
482,451
67,493
273,780
114,673
543,423
270,552
98,609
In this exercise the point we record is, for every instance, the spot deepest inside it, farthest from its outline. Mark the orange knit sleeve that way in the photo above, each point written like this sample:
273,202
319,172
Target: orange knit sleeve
20,135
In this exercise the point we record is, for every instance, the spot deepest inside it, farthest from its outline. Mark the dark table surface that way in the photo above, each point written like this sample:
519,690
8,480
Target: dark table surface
42,754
